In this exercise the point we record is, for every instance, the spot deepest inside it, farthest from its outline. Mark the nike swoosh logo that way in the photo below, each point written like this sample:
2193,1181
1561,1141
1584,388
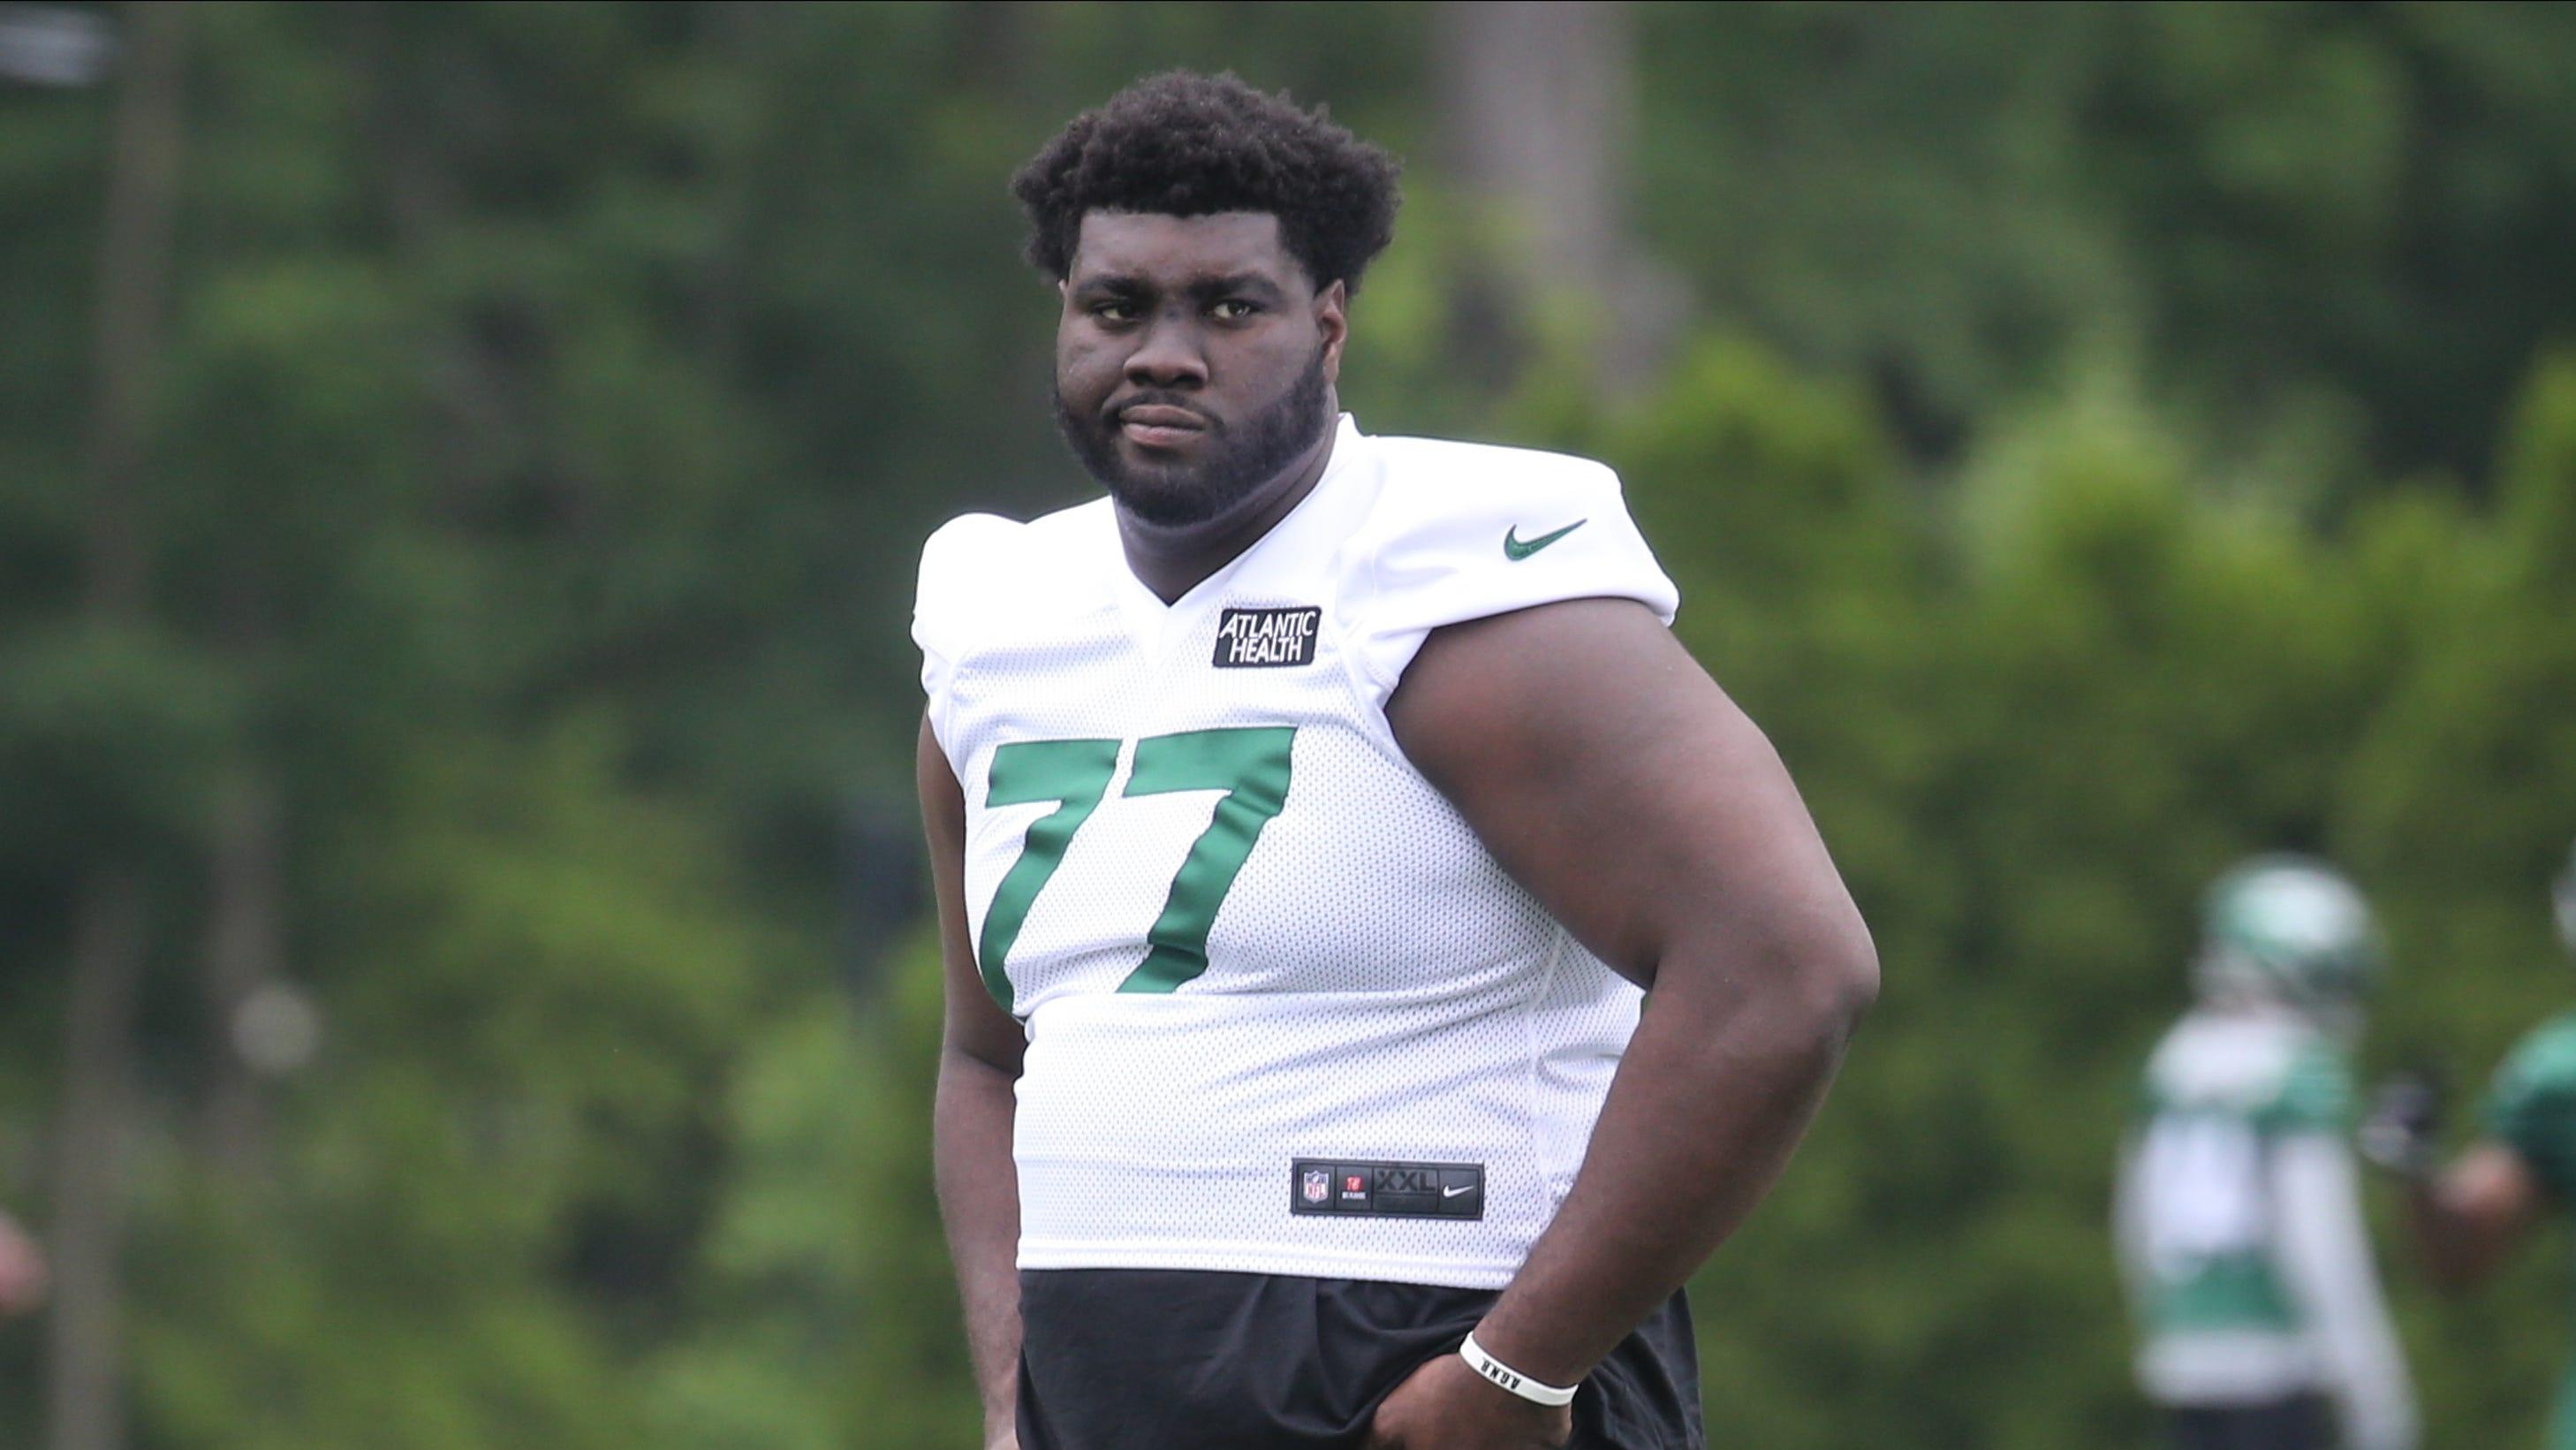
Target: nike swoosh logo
1515,548
1454,1192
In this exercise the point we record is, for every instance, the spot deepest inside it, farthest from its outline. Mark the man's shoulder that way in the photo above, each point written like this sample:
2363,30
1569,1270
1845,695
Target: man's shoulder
2555,1037
2270,1067
2544,1061
2532,1105
2316,1093
1463,531
1444,475
1484,503
1063,532
995,550
977,567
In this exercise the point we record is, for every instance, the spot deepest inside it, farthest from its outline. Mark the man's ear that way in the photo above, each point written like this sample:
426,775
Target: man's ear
1332,319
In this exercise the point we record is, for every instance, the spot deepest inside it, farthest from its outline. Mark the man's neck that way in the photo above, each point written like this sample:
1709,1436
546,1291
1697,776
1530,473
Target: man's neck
1173,559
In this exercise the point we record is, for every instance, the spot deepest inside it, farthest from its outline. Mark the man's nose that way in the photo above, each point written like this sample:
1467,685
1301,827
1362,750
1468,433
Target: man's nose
1168,356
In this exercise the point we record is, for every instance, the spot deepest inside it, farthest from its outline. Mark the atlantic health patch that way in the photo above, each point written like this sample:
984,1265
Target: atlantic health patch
1266,639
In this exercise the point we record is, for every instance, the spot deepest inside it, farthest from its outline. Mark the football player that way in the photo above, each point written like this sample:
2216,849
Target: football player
2239,1218
1309,818
2468,1218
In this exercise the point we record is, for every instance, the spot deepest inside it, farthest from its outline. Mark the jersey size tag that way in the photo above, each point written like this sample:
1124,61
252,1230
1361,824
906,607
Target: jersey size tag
1266,639
1341,1188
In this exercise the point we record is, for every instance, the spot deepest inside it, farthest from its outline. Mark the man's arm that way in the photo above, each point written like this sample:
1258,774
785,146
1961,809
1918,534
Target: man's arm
2469,1217
2324,1251
979,1065
1613,779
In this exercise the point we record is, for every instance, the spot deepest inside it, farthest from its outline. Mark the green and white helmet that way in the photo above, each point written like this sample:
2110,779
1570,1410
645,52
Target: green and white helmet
2288,929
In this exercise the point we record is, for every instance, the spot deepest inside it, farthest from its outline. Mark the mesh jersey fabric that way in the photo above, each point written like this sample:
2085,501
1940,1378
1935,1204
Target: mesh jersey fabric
2200,1232
1237,926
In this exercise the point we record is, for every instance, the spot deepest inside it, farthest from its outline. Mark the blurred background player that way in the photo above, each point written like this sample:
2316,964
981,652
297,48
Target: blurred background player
2238,1212
2468,1218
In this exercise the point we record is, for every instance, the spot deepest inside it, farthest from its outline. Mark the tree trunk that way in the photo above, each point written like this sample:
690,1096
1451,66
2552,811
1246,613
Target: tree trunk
134,272
89,1198
1539,103
244,952
112,932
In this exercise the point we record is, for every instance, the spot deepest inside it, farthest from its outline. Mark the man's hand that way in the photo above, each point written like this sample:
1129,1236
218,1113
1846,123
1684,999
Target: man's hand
1005,1438
1446,1406
2469,1217
2403,1130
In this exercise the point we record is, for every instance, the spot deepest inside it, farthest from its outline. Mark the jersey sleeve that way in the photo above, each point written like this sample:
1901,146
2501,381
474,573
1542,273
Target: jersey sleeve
1489,532
2321,1248
960,568
2532,1106
2316,1095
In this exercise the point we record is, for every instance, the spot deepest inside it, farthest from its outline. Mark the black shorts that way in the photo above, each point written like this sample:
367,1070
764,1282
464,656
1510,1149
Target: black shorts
1158,1359
2297,1423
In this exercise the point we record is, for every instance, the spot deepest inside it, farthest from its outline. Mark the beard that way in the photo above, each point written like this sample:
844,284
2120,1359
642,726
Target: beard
1233,462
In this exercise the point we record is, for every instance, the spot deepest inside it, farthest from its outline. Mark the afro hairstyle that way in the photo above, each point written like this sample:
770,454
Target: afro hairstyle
1183,144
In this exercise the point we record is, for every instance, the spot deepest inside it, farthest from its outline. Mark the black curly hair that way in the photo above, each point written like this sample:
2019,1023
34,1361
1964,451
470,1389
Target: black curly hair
1183,144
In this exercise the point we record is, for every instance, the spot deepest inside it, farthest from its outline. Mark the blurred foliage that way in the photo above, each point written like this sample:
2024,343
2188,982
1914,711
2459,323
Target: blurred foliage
2108,440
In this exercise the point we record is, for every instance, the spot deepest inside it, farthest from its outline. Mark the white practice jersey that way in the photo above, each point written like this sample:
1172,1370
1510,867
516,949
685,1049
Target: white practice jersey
1285,1012
2240,1228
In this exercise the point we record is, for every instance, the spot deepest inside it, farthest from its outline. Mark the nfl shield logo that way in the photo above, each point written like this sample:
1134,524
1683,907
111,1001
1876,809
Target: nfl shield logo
1316,1186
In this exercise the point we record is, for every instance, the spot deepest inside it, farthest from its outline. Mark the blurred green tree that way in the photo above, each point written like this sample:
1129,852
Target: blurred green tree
2095,443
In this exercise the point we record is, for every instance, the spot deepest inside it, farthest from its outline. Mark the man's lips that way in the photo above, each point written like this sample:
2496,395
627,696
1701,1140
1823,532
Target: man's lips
1159,425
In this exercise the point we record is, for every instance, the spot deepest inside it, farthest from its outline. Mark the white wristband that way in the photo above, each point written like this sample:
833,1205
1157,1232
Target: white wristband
1509,1378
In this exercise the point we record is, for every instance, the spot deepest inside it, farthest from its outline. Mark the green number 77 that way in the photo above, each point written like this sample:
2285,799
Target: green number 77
1250,765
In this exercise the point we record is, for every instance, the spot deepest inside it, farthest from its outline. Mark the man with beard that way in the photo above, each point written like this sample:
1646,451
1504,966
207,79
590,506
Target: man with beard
1309,818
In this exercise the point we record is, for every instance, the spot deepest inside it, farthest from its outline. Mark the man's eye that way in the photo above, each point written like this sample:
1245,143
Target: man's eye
1114,311
1234,309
